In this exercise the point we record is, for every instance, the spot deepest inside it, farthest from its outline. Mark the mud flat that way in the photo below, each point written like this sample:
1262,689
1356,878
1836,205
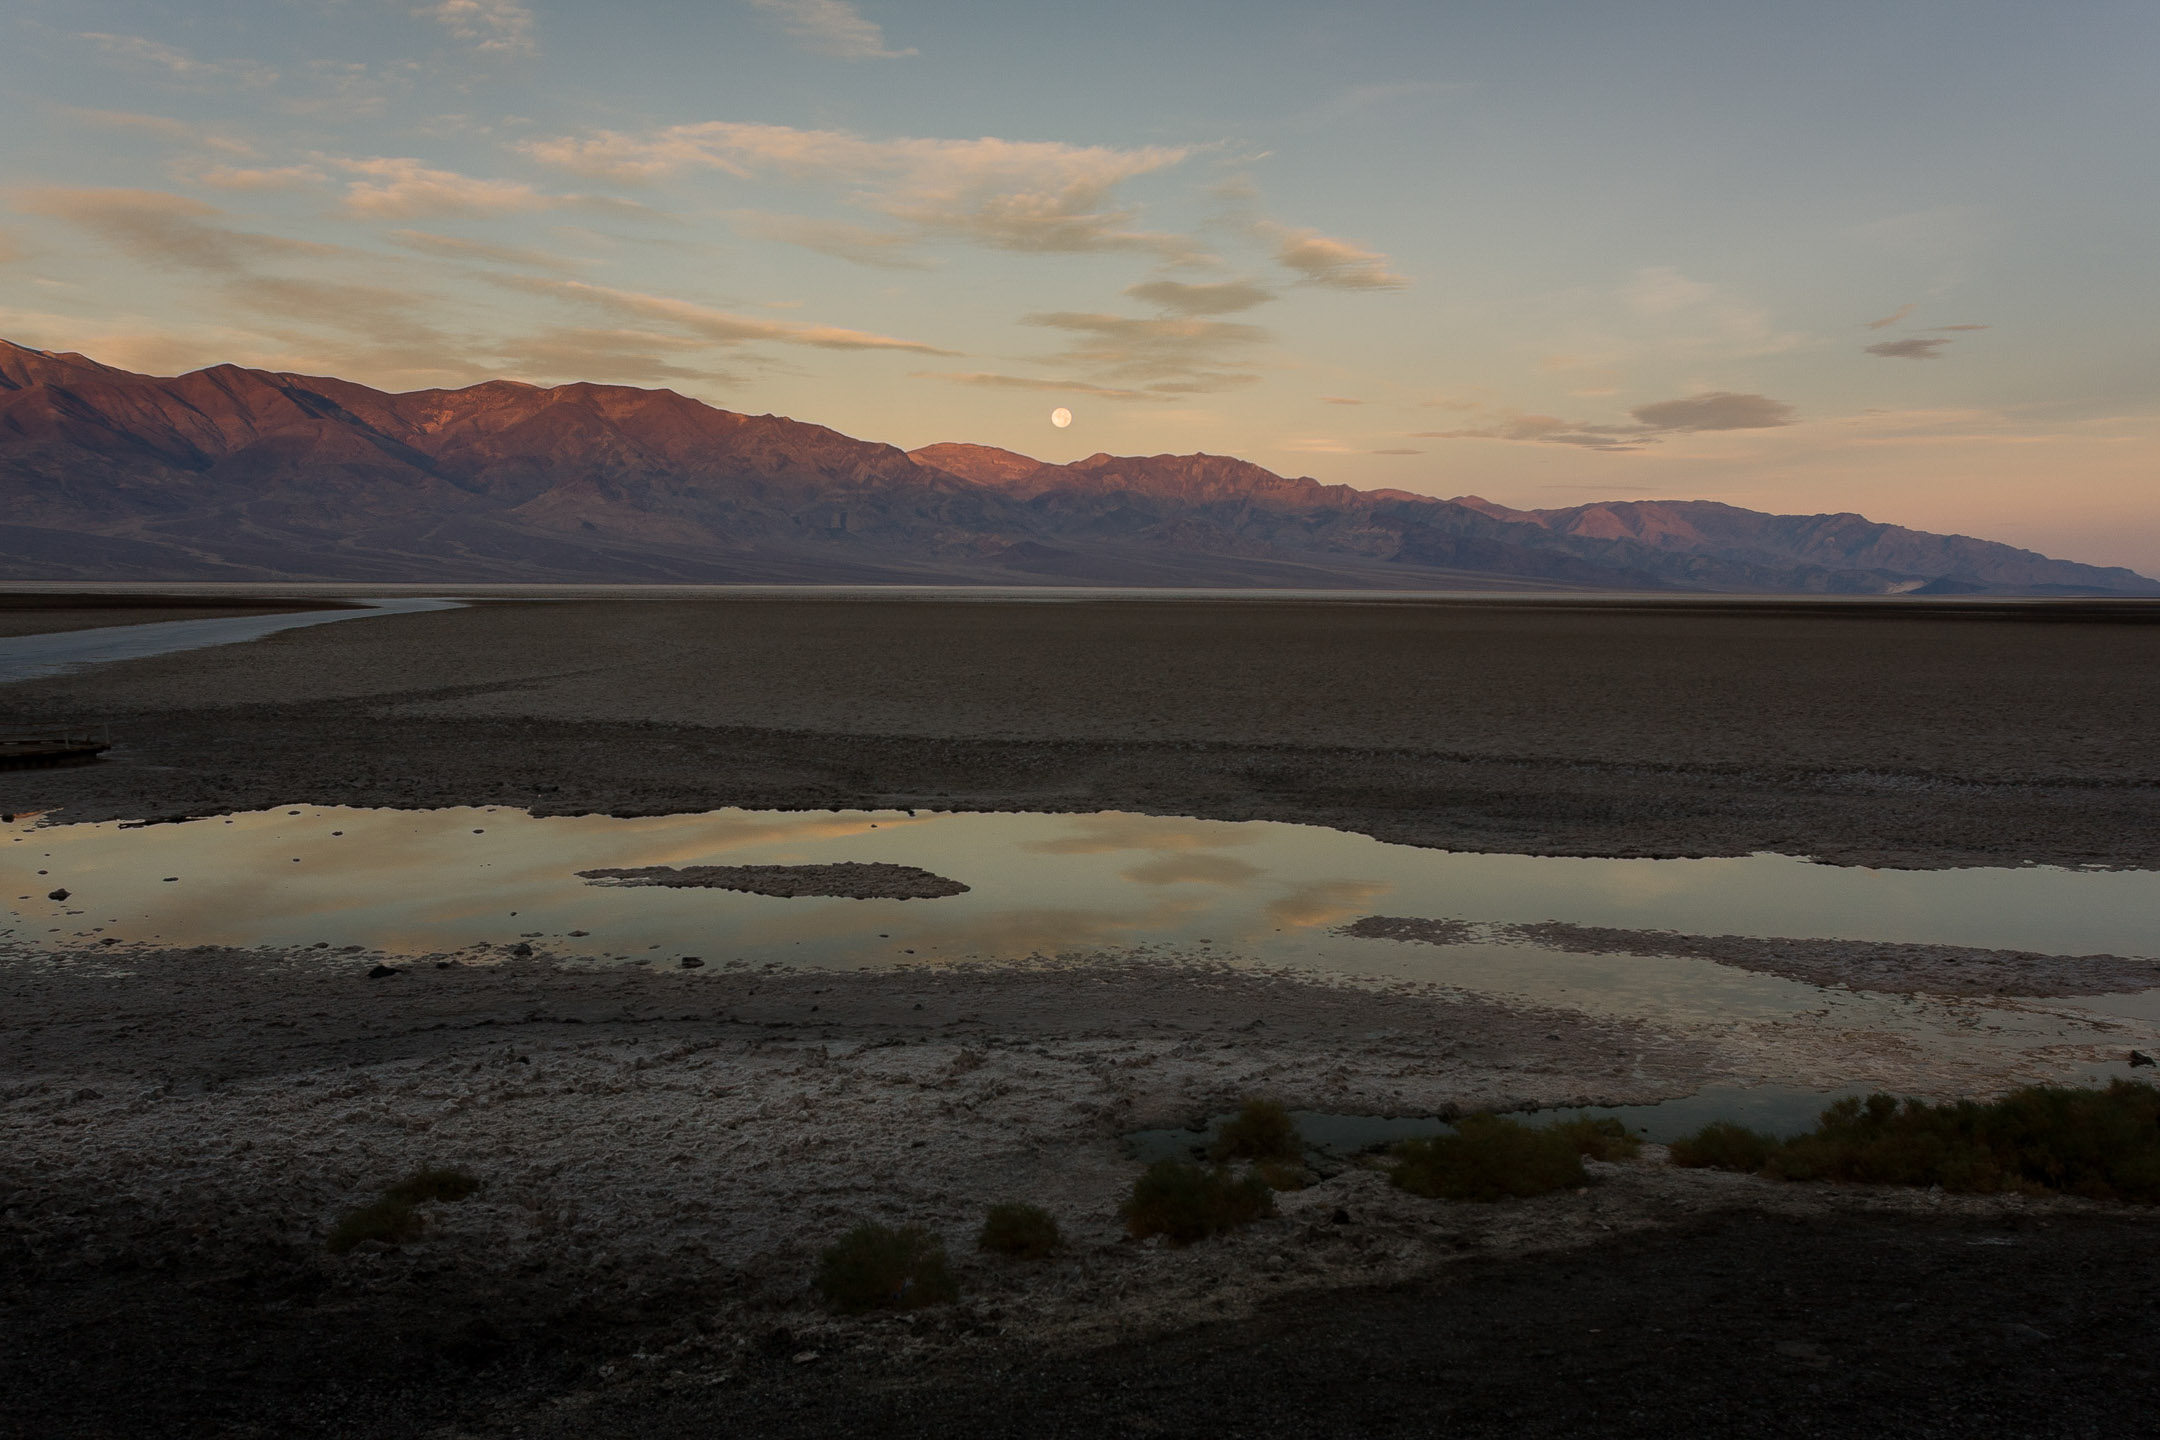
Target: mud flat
1886,968
1905,734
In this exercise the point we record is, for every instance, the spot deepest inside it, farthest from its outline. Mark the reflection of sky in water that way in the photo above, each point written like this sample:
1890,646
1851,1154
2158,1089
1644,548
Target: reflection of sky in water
425,881
26,657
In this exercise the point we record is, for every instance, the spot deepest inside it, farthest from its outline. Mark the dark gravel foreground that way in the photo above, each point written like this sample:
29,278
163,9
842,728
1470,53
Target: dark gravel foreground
1745,1326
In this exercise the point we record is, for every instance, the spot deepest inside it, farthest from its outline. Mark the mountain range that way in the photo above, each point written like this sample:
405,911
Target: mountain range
232,473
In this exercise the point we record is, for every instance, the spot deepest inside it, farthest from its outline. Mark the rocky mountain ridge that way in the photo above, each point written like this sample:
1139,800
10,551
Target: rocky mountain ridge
235,473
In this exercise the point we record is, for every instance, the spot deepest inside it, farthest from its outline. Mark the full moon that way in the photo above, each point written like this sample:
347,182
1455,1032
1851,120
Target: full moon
1061,417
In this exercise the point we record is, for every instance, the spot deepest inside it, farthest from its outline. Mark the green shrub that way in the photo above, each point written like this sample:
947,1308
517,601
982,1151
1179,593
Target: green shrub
1601,1139
876,1267
1025,1232
434,1184
1188,1202
1723,1145
1261,1130
389,1220
1489,1158
2101,1144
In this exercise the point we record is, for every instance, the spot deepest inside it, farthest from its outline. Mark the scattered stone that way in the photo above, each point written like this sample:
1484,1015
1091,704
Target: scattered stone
2138,1058
522,950
381,971
60,894
692,962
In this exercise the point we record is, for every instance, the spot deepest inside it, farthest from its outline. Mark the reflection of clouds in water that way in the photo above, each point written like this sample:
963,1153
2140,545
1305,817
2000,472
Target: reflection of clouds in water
1192,869
1100,834
1323,902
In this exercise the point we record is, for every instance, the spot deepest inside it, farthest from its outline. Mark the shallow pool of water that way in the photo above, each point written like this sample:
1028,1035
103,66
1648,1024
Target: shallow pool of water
431,882
31,657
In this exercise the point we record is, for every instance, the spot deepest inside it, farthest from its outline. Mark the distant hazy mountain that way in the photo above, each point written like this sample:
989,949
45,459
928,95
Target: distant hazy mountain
230,473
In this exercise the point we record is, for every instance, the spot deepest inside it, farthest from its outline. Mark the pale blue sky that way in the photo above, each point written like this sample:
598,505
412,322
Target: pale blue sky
1514,234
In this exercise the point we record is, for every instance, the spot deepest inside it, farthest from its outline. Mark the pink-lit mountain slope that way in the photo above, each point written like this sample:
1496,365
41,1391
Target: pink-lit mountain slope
233,473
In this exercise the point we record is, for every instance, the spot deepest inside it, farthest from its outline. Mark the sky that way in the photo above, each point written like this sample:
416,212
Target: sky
1894,258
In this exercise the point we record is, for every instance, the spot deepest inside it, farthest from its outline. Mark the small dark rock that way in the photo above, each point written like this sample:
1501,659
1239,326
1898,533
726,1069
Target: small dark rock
1340,1217
60,894
691,962
2139,1057
521,950
382,970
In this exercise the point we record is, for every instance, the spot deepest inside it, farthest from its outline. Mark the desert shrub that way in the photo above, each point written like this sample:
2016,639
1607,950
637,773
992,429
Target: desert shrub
393,1217
1489,1158
1282,1174
433,1184
1601,1139
2101,1144
389,1220
1190,1202
1261,1130
1723,1145
877,1267
1025,1232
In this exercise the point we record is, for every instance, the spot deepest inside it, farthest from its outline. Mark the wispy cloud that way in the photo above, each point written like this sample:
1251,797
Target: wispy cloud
1222,298
406,189
1914,348
177,64
621,356
1339,400
257,177
492,27
171,231
1338,264
1173,355
1022,195
991,380
831,27
1714,410
718,327
453,247
890,249
1892,318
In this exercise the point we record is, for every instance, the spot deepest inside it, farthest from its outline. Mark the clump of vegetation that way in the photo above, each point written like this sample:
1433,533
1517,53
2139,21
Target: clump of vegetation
1723,1145
1283,1174
878,1267
2044,1139
392,1222
1261,1130
1604,1138
1023,1231
1189,1202
2100,1144
394,1216
1490,1157
434,1184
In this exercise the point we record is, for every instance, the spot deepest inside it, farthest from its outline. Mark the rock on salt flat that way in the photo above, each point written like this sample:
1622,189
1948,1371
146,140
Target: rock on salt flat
846,880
